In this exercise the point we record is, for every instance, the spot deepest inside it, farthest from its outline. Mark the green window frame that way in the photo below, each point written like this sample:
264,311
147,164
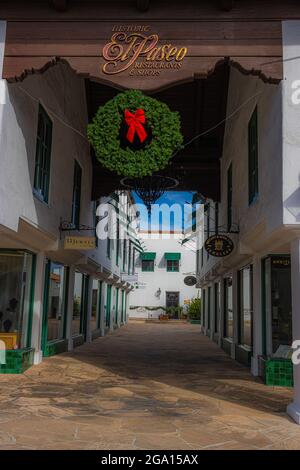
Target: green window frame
76,199
253,157
173,265
147,265
229,197
43,156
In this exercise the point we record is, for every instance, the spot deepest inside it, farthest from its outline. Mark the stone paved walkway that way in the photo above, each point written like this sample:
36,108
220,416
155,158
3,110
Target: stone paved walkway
146,386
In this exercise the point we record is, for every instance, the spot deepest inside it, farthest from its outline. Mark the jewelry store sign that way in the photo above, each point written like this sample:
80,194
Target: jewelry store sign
134,48
80,243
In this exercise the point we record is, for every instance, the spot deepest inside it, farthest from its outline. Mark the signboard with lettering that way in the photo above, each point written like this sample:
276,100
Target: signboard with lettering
219,246
79,243
140,52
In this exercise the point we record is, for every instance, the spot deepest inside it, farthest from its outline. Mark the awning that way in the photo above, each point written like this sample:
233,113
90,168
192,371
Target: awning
172,256
148,256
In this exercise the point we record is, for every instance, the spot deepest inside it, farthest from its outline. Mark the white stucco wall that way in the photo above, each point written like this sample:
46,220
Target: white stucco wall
160,278
63,97
291,119
264,215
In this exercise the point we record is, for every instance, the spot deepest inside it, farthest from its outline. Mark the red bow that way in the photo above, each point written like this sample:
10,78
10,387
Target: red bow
135,122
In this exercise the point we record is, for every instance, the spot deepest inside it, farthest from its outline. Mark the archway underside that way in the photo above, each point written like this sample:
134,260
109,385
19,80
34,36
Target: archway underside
197,89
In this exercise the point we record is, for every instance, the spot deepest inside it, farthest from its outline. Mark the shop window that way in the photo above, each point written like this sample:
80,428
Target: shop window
217,297
172,265
16,281
253,157
245,306
96,304
228,308
57,287
76,194
277,306
79,303
229,198
43,156
147,265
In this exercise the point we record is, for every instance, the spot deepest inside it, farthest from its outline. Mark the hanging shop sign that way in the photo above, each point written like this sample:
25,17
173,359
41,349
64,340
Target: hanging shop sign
80,243
219,246
136,49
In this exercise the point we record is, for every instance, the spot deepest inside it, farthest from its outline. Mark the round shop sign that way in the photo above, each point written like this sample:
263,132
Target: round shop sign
219,245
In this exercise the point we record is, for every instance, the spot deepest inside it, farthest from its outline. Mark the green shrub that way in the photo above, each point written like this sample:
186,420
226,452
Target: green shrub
194,311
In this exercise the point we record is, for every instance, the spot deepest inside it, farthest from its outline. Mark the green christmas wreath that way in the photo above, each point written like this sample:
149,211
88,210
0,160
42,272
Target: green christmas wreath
135,135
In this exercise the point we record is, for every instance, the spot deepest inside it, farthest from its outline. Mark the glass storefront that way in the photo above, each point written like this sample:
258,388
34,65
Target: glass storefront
57,300
245,306
96,304
16,270
277,306
228,308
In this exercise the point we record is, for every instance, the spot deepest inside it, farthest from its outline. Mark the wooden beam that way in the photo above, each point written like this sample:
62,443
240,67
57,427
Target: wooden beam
226,5
60,5
143,5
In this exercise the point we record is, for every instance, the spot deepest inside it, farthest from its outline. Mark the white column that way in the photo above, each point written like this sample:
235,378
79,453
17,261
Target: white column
89,310
257,316
37,319
70,307
294,408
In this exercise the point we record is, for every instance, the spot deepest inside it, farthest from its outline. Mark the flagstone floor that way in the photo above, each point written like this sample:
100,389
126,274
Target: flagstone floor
146,386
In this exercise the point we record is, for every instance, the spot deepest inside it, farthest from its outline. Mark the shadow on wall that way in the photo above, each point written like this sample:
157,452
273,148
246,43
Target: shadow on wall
292,203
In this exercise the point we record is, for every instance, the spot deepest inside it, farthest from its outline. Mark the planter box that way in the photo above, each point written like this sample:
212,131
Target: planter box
195,322
279,372
17,361
56,347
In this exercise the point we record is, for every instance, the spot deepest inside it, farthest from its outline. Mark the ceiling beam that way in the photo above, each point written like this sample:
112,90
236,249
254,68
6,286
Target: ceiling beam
60,5
143,5
226,5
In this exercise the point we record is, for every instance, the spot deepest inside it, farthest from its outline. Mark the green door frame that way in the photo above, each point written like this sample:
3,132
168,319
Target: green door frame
122,307
44,340
45,306
108,305
84,305
99,304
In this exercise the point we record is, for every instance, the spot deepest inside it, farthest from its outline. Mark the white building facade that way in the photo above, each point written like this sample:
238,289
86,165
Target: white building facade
54,297
251,303
161,271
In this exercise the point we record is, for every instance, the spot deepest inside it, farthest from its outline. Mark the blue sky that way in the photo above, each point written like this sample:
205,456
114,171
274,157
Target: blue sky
169,198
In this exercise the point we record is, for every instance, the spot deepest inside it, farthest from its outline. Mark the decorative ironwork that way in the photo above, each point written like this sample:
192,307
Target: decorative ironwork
150,188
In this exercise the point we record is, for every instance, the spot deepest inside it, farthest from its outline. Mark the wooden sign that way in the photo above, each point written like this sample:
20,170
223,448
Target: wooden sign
80,243
219,246
140,52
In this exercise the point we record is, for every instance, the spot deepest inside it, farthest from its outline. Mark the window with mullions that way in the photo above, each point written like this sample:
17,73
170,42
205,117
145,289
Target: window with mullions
172,265
253,157
76,194
147,265
43,156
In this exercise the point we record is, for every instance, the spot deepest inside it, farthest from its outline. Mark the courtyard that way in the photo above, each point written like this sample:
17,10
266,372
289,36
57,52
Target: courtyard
146,386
